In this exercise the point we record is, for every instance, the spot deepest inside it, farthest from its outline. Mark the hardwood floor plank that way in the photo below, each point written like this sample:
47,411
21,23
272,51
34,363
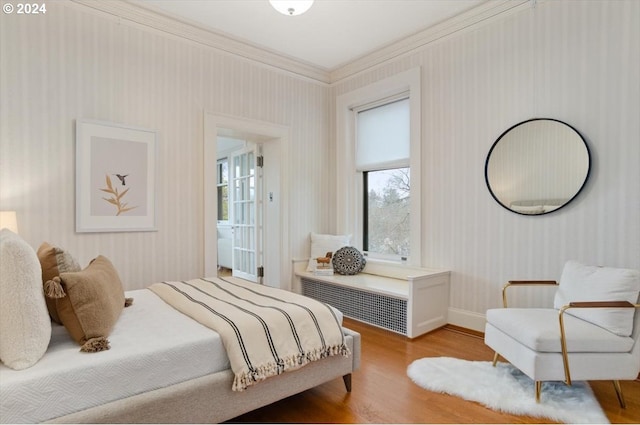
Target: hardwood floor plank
382,392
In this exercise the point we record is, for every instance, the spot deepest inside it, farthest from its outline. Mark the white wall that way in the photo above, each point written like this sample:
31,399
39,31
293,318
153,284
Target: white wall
75,62
576,61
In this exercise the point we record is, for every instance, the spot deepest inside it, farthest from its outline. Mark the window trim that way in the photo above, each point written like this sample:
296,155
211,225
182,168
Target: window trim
349,182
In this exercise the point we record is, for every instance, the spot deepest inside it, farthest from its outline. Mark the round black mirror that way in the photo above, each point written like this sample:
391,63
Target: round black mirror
537,166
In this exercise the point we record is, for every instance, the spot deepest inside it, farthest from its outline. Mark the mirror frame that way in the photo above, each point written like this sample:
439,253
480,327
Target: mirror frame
584,182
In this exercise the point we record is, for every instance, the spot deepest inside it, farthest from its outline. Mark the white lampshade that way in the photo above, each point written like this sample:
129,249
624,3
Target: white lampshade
8,221
291,7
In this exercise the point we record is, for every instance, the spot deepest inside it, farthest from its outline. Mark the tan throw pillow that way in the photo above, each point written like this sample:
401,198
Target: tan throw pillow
91,302
55,260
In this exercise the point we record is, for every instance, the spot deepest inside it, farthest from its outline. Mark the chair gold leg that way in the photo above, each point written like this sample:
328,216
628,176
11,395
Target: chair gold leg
495,359
563,344
616,385
538,390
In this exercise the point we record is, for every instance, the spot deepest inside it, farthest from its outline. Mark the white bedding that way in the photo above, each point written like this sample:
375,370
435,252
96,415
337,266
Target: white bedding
152,346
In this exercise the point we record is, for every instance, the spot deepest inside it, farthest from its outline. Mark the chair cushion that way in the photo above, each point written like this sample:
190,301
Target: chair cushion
539,329
591,283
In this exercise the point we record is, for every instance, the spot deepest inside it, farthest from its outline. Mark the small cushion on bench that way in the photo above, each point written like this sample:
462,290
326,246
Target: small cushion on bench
321,244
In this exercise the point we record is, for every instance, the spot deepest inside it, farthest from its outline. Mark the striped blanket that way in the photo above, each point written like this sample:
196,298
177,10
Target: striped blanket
265,331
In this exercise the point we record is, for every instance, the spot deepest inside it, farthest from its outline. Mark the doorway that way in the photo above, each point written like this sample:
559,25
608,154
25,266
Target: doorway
271,201
239,195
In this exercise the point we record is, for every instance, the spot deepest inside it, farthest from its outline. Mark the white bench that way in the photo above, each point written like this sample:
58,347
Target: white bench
407,300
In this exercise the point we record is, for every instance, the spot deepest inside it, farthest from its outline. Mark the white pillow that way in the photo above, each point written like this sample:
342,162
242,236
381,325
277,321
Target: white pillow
321,244
25,326
591,283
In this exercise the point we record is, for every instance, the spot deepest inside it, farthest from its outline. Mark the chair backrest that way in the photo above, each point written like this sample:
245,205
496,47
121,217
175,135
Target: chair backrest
580,282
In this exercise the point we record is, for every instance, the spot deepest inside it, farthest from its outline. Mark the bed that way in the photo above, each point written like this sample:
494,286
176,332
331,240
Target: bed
162,367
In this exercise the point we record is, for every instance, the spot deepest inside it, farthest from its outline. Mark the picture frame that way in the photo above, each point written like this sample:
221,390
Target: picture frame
115,177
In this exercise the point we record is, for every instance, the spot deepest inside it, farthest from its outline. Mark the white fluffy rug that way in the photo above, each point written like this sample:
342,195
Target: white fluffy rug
506,389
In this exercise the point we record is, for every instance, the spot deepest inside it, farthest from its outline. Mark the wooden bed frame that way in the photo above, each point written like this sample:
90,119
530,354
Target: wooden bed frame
209,399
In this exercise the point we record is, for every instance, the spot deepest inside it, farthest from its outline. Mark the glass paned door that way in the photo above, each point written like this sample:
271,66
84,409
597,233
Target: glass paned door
244,220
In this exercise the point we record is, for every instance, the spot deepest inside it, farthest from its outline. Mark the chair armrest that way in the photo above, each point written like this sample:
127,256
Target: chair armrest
531,282
583,304
600,304
524,283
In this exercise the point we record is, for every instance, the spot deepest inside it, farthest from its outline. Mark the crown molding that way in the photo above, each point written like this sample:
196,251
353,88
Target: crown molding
126,10
144,16
485,11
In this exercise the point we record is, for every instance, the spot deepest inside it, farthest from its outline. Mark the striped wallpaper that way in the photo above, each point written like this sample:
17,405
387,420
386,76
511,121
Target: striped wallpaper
79,63
576,61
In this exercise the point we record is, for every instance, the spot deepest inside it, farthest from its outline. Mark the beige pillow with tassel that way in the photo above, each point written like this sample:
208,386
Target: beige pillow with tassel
89,303
55,260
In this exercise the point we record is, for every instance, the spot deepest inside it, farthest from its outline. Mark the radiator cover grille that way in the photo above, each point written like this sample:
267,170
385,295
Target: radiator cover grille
377,309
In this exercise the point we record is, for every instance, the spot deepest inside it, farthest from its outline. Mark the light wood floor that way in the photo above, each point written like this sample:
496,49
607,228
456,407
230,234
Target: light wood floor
382,392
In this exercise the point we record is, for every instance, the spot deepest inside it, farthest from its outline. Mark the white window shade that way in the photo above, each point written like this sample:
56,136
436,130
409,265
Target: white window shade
383,137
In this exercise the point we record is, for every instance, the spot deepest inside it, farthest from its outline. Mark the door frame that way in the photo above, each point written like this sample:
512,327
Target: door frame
276,212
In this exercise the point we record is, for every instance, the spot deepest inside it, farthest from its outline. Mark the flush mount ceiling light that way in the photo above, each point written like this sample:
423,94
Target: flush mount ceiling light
291,7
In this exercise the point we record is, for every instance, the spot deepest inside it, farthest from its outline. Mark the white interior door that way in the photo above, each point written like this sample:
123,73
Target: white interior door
275,139
246,216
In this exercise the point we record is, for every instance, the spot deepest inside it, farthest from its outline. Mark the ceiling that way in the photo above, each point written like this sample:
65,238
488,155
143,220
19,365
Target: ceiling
331,34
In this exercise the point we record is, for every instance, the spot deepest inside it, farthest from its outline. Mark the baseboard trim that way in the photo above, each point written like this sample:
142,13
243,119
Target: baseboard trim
464,331
466,319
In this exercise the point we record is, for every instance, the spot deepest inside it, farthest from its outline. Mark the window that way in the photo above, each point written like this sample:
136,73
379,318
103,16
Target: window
378,151
387,209
222,183
382,156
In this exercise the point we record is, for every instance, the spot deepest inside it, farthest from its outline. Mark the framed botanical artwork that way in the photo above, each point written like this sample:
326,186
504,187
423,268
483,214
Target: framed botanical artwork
115,178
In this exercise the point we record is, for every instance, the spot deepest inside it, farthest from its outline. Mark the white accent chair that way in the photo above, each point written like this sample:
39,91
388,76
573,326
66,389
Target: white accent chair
592,333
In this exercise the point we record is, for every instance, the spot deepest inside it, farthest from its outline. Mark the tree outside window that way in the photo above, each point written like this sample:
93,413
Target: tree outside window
387,224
